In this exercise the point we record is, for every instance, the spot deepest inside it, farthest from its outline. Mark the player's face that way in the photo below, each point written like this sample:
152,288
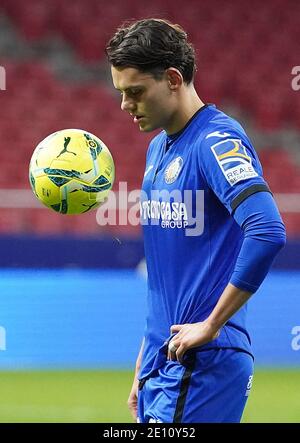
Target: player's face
147,99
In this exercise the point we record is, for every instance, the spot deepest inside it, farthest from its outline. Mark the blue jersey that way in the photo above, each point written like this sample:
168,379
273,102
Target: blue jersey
193,182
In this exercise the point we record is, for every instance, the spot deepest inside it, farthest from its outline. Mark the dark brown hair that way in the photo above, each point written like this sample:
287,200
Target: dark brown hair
152,45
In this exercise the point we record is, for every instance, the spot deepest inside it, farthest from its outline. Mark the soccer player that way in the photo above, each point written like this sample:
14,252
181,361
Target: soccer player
211,231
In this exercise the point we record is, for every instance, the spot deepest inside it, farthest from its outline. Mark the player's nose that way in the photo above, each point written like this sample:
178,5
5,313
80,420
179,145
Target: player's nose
127,104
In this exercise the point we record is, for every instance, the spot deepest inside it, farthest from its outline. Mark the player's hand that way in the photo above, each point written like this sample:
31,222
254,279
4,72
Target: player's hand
189,336
132,399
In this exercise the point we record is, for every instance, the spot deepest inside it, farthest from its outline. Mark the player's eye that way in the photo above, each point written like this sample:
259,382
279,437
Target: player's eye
134,92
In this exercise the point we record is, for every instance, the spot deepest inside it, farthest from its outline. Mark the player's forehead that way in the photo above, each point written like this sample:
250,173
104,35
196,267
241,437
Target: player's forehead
126,78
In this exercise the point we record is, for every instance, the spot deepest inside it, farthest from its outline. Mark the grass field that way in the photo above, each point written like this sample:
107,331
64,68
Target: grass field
100,396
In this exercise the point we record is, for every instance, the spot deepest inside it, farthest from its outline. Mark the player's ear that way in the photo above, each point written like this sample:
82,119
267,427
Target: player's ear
174,78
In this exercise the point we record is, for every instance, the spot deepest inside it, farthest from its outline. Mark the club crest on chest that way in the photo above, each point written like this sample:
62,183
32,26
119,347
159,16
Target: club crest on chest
173,170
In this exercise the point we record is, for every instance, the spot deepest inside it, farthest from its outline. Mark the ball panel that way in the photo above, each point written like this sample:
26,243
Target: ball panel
46,191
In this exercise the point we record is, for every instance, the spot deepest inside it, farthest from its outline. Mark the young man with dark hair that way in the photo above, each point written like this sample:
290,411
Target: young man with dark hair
211,232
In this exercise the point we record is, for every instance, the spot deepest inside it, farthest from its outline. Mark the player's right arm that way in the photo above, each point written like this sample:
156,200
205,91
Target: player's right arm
132,399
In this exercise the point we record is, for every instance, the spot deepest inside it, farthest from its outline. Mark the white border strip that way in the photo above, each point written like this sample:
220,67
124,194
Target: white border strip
24,198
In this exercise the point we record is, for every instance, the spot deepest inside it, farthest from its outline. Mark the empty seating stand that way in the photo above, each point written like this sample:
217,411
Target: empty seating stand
245,57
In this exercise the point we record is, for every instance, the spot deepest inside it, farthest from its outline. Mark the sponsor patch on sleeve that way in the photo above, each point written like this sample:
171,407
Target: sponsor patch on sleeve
233,160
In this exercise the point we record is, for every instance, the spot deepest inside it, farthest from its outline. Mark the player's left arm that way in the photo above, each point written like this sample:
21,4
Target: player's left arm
249,200
192,335
264,236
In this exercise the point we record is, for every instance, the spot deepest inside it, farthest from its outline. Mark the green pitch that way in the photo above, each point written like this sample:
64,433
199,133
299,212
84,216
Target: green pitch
100,396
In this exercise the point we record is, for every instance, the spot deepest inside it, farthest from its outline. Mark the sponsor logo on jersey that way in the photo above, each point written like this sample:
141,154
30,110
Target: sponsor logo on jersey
173,170
174,209
169,214
218,134
234,161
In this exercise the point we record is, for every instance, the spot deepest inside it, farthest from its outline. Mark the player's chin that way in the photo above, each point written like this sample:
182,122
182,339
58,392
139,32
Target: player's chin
147,126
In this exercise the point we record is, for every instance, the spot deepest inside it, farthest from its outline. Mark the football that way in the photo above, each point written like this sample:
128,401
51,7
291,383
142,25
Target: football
71,171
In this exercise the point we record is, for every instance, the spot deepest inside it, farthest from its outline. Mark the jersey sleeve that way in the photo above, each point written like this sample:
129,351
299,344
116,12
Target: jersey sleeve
231,167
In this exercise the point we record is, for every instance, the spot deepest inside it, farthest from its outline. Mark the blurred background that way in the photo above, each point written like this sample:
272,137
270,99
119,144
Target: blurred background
72,292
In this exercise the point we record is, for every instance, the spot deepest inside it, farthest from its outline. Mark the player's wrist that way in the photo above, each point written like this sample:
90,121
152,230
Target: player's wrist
214,326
